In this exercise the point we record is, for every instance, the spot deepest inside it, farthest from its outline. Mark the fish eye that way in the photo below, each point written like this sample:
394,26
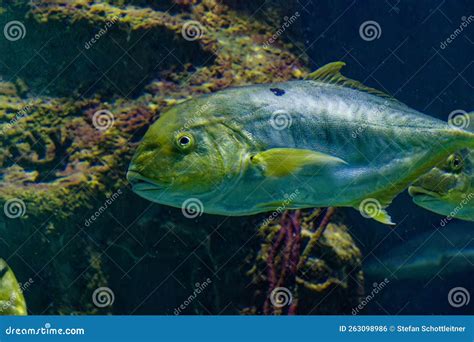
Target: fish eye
456,162
184,141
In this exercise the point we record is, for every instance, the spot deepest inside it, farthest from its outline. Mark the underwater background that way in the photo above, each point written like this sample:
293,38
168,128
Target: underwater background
81,81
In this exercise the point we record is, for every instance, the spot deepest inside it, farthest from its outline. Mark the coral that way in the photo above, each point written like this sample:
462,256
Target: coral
318,263
54,152
283,271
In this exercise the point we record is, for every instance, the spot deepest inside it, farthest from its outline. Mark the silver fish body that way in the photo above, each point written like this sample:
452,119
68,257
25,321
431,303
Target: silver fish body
325,141
378,139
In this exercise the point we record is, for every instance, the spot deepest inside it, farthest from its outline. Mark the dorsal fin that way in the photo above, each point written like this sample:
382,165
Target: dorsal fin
331,74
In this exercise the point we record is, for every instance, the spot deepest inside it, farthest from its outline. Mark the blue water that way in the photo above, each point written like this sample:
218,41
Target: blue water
409,62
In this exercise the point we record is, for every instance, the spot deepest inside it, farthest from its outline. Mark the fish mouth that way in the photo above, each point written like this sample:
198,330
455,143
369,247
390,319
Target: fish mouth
140,183
417,191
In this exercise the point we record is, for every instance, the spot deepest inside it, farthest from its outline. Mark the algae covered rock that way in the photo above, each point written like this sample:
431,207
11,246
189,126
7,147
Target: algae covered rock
115,68
80,84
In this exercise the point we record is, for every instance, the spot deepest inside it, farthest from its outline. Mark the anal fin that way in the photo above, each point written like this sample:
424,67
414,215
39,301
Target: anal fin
372,208
384,218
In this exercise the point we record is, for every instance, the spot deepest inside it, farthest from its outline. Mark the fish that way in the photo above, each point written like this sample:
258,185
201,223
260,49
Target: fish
448,188
322,141
12,301
444,252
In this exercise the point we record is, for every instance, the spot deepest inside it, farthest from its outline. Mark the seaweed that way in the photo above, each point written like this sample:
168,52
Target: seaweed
304,263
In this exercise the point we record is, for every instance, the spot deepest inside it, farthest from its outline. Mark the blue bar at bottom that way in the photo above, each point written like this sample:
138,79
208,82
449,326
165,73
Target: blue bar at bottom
237,328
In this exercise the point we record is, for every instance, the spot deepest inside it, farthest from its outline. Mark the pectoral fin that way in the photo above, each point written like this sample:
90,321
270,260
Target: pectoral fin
280,162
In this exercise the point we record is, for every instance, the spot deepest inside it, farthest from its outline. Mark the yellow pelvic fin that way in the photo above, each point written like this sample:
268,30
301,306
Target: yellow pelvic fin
383,217
371,208
280,162
331,73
